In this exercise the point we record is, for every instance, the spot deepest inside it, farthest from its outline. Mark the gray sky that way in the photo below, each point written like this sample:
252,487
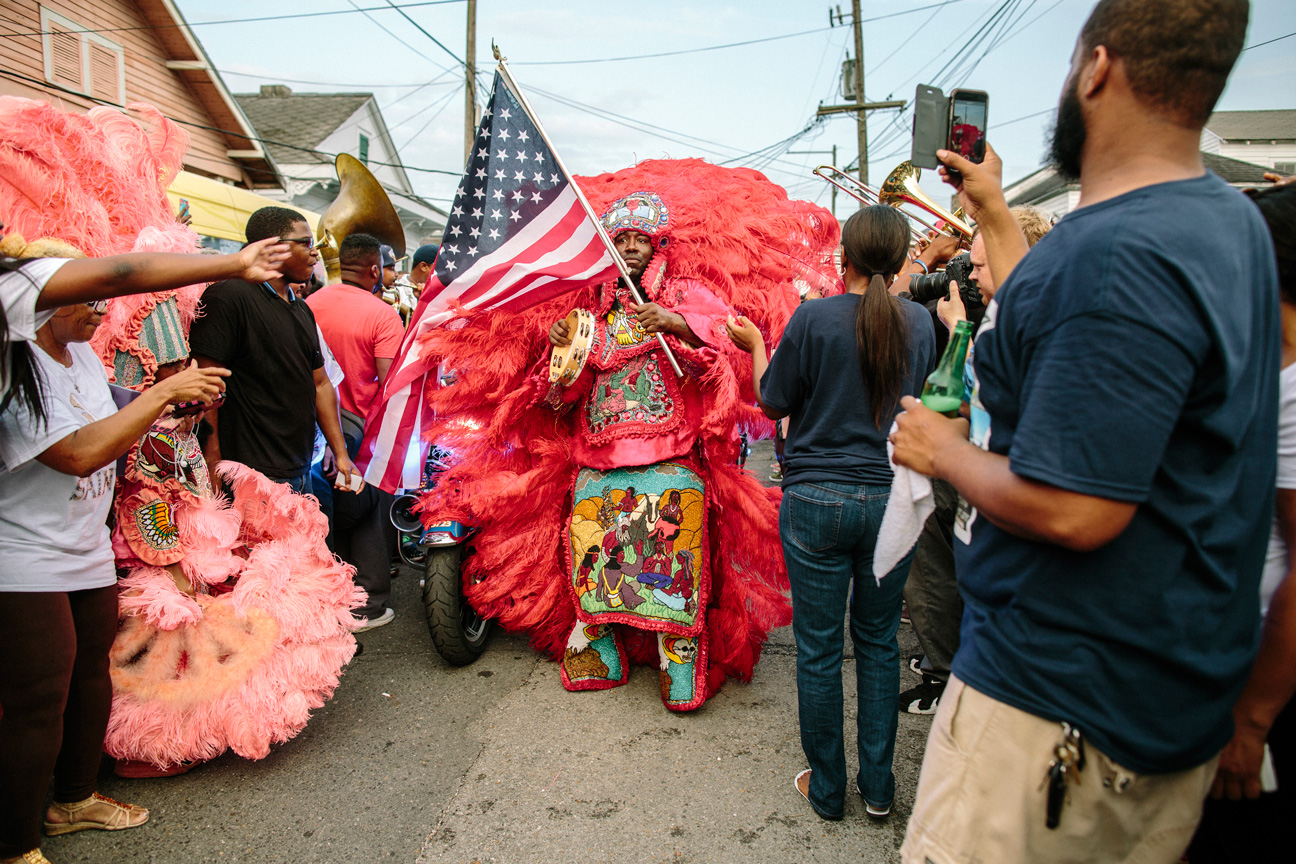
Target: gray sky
735,103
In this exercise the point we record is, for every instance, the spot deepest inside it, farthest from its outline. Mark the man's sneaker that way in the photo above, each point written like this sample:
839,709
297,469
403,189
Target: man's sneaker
924,698
385,618
915,663
904,615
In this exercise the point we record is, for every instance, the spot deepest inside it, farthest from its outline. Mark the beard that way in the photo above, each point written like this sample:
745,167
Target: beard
1068,139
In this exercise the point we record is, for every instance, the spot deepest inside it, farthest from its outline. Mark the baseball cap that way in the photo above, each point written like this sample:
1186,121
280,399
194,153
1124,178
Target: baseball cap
426,253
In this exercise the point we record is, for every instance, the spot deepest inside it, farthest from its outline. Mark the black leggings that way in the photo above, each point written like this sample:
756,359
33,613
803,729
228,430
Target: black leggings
55,693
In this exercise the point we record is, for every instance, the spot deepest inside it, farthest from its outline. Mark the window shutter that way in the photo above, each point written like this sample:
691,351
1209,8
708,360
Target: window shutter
364,149
65,50
104,79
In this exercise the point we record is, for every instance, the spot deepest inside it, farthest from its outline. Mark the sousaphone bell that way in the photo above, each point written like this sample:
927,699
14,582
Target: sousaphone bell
361,207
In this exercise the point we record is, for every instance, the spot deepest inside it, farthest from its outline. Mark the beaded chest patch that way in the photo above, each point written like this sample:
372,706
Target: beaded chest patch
634,392
638,550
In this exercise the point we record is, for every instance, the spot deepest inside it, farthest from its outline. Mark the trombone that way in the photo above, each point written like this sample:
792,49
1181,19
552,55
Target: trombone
900,188
861,193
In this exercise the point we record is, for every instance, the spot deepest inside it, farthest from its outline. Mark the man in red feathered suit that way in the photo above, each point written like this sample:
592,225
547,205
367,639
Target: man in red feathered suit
615,525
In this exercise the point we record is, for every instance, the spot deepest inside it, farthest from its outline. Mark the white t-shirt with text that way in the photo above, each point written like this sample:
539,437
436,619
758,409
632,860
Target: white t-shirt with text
53,526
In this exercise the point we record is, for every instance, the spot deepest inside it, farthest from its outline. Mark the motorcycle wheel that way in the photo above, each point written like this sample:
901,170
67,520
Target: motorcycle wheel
458,632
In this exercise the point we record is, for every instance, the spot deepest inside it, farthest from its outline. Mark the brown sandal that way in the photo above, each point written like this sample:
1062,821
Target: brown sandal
123,816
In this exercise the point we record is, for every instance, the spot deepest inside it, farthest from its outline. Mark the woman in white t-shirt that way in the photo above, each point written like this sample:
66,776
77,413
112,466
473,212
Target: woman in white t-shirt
58,593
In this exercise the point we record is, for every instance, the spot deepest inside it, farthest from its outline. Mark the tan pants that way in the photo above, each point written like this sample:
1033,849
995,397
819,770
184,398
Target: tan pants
982,799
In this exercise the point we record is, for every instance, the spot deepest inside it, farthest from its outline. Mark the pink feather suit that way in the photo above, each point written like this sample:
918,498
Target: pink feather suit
241,661
690,560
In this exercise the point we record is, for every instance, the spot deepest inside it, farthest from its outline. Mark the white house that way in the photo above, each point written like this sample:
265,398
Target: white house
304,131
1265,138
1055,196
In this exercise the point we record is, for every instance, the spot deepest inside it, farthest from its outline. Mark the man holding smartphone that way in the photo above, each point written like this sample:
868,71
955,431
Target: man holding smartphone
1115,509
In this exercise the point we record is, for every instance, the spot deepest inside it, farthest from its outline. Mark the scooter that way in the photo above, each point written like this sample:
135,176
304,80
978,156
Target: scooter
458,632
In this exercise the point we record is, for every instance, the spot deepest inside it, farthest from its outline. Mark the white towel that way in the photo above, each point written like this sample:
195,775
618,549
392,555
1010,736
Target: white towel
908,506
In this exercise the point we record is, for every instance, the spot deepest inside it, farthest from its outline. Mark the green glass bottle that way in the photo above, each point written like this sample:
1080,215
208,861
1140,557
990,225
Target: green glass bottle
944,389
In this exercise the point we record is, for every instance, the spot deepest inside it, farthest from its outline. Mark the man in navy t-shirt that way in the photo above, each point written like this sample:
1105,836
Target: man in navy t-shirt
1115,512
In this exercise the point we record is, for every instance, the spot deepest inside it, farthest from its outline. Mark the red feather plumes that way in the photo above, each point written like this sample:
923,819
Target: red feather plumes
512,467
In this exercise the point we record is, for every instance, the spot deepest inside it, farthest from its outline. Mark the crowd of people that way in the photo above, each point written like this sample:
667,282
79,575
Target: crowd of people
1102,591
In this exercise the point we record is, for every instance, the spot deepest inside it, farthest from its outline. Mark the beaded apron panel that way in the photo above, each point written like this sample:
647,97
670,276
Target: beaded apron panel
637,546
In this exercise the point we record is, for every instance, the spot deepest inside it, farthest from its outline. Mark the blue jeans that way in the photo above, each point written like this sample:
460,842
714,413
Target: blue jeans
828,532
300,484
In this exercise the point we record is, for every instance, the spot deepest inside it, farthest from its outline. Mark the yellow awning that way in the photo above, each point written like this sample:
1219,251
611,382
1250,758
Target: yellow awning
221,210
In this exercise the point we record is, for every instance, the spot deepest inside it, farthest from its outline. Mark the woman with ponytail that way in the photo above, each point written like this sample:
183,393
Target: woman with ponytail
840,370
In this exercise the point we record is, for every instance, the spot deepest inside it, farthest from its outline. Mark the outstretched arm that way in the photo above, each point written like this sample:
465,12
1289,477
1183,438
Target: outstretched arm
83,280
981,192
747,337
92,447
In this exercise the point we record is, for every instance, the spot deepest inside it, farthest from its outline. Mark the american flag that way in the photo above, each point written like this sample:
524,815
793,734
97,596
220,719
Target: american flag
518,235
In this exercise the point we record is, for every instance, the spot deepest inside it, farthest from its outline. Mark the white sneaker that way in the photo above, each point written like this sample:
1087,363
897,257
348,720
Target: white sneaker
385,618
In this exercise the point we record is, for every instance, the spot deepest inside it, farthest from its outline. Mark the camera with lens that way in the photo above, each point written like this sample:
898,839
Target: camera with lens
935,286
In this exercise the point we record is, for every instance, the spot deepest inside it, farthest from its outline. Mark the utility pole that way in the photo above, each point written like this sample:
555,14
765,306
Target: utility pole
833,151
860,108
861,116
470,82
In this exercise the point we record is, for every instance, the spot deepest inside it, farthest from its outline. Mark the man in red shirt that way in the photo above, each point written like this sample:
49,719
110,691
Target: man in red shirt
361,330
364,334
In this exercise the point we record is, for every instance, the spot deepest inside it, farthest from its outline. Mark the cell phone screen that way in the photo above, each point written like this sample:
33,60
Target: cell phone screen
968,125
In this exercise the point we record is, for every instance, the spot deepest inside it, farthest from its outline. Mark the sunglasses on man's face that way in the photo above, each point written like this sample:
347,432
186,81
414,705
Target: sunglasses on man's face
98,307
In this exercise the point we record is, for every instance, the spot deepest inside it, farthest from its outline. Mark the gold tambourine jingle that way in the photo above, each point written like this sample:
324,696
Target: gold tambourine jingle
568,361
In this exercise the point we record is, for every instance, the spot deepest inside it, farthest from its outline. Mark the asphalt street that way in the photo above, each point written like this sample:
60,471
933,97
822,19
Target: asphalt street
416,761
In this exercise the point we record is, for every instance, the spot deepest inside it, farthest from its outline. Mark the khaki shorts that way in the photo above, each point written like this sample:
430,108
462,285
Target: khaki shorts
982,798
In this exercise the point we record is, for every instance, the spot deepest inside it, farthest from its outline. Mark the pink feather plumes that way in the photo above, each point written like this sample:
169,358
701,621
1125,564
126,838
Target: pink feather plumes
748,243
194,676
98,182
94,180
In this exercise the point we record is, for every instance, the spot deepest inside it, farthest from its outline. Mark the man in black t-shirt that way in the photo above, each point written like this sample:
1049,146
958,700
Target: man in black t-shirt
267,337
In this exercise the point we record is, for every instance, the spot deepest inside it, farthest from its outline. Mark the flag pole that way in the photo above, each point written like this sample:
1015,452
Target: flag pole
580,196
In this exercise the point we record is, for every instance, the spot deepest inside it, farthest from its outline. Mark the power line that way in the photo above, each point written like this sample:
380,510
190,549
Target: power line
1269,41
294,15
384,28
443,103
726,45
419,27
242,135
318,83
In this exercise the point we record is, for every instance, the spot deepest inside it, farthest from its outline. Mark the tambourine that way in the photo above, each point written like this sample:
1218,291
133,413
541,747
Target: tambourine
567,361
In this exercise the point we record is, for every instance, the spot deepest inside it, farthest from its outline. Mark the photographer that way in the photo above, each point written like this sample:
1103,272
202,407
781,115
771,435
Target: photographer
924,283
935,608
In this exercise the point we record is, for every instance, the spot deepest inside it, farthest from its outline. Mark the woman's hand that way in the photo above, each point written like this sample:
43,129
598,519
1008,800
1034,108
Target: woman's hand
745,334
194,384
951,309
260,260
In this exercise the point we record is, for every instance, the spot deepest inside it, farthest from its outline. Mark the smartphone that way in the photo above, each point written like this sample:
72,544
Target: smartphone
967,125
197,406
931,126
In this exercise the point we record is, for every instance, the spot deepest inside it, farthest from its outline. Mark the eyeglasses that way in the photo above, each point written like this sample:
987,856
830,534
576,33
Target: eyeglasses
308,242
99,307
